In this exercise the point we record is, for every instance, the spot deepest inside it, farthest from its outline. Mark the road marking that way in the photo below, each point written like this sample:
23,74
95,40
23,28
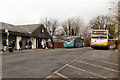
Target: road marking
97,66
116,50
85,71
100,61
70,62
61,75
109,63
82,69
58,75
56,71
83,55
64,66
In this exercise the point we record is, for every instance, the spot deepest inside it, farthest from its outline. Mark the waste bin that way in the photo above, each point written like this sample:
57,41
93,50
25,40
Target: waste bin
10,49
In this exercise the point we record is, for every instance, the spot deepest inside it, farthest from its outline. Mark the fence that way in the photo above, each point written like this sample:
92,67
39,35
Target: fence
58,45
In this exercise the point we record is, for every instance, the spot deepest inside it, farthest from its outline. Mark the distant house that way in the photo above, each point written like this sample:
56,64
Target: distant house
34,32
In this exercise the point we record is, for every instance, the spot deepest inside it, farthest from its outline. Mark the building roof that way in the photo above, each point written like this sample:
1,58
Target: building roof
20,28
25,30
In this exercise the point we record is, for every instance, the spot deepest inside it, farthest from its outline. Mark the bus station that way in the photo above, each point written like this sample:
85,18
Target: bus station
60,40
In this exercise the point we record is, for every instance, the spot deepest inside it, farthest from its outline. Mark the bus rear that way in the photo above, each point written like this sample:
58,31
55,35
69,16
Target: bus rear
99,39
68,41
73,41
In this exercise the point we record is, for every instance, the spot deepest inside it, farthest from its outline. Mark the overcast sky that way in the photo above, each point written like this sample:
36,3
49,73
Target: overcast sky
32,11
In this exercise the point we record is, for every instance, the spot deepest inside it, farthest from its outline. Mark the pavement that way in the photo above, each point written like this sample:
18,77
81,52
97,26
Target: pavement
77,63
24,51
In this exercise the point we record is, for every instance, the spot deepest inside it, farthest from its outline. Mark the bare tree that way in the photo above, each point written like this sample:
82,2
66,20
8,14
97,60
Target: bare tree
59,33
46,22
115,13
85,31
114,9
50,25
72,26
65,27
101,22
78,24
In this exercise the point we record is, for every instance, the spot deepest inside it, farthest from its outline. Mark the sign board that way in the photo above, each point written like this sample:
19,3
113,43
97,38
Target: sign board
8,33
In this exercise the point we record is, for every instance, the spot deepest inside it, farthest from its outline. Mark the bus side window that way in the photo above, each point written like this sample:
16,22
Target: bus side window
77,40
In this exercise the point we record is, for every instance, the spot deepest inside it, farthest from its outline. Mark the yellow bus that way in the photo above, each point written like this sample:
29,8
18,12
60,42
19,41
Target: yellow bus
99,39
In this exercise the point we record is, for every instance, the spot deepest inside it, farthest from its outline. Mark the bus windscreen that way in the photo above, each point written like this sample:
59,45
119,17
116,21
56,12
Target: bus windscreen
68,38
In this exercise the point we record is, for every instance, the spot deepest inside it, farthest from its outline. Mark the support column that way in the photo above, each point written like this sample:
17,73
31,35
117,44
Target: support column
33,43
18,38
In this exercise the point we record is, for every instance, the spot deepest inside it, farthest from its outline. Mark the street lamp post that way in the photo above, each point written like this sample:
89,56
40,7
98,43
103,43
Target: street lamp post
7,40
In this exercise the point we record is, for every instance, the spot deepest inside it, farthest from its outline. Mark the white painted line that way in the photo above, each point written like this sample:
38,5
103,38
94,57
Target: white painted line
100,61
68,63
58,75
86,58
116,50
83,55
61,75
110,63
97,66
56,71
64,66
86,71
49,76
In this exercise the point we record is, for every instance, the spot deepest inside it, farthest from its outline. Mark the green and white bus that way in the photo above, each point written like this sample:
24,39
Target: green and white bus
73,41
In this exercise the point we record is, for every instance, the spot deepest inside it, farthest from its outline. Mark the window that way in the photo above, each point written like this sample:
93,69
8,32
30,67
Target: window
42,30
103,37
99,32
68,38
95,37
